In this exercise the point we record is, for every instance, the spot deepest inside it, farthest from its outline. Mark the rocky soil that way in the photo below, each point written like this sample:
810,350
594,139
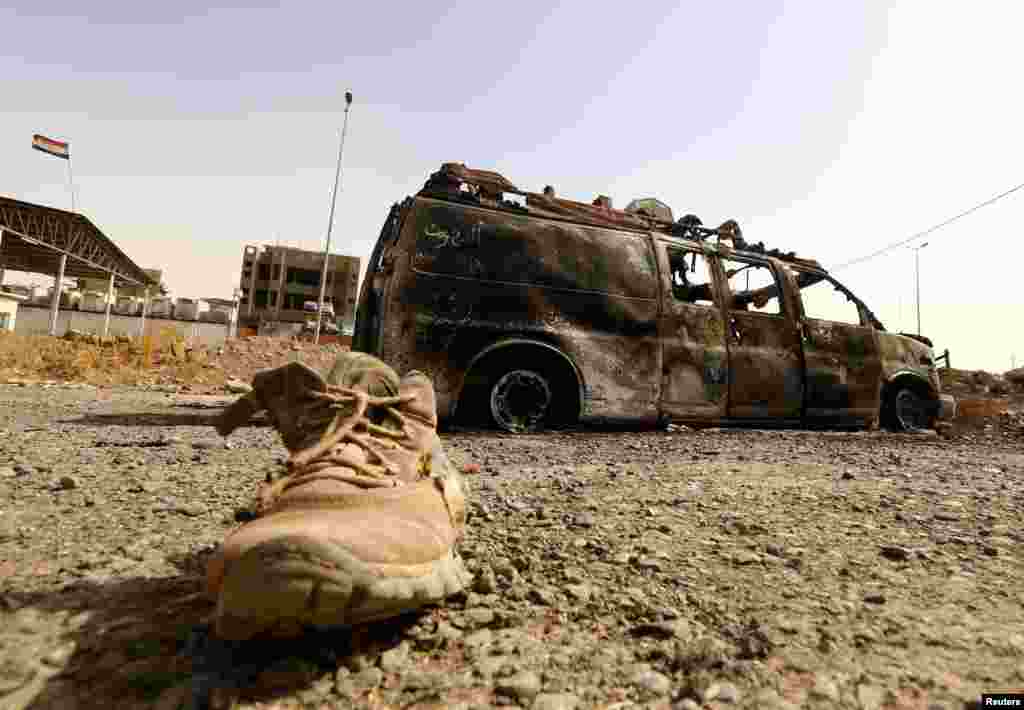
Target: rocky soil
682,569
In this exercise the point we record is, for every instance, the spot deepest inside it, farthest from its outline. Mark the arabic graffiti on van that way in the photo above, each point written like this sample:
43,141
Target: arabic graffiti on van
455,238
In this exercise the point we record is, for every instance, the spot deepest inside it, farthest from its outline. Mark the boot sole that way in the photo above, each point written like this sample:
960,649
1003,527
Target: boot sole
283,587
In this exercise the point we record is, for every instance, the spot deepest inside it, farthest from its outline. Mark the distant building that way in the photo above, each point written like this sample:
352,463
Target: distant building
276,281
9,309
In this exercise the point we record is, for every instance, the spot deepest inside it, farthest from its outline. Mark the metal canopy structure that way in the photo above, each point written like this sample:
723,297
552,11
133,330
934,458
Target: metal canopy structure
35,238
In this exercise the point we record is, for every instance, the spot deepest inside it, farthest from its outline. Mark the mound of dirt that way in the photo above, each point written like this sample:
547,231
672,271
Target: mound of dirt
171,363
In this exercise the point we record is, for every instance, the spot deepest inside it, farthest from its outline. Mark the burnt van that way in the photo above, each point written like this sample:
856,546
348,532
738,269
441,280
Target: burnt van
530,311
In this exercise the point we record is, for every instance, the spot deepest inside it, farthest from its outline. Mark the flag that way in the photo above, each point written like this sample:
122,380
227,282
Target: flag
48,145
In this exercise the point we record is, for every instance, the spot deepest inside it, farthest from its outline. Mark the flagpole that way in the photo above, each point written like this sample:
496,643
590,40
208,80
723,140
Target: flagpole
330,223
71,179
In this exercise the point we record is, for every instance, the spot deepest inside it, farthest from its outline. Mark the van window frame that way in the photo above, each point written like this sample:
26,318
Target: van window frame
783,313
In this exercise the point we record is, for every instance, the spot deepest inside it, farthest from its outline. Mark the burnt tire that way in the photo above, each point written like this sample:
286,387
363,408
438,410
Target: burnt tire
520,400
907,410
521,390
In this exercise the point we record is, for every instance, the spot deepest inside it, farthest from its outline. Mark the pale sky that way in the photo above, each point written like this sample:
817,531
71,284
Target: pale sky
828,128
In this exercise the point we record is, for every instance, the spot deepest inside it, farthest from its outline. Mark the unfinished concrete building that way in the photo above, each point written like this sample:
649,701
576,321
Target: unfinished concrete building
276,281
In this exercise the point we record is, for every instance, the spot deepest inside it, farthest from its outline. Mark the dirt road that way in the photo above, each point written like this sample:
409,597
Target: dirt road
652,569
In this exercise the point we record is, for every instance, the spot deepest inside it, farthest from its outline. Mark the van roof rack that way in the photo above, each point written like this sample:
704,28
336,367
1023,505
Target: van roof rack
486,188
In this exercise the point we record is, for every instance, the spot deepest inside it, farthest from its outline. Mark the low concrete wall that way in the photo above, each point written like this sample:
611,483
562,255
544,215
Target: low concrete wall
35,320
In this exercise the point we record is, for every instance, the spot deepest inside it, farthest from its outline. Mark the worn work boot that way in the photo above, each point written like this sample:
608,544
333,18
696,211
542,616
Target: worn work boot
363,524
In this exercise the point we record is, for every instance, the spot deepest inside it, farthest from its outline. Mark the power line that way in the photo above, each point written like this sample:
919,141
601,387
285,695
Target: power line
928,231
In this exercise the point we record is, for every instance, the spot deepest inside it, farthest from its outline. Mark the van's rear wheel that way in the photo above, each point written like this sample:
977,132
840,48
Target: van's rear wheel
521,400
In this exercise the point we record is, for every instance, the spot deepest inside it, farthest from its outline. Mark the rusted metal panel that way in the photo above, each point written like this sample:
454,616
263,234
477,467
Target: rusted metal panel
465,277
843,365
902,356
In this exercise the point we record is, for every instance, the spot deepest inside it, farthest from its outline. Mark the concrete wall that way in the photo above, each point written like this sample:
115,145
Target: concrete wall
35,320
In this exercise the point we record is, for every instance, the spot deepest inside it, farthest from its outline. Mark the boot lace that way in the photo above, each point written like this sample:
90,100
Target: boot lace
353,423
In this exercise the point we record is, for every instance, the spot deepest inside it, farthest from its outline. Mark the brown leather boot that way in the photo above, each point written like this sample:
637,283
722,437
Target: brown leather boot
363,524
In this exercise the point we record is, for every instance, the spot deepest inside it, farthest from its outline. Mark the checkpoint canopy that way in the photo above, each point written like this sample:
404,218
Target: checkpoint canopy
34,238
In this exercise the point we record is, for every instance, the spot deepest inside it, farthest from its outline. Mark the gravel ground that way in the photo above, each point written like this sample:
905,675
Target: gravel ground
683,569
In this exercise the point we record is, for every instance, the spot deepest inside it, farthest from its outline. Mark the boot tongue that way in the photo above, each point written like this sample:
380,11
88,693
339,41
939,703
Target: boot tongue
289,394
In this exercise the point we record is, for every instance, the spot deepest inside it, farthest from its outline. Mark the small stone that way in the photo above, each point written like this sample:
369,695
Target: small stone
874,598
418,680
650,563
394,659
653,682
67,483
480,616
524,685
745,557
237,386
555,701
579,592
490,666
369,678
478,639
870,697
542,595
825,687
485,582
190,509
447,632
584,520
723,692
895,552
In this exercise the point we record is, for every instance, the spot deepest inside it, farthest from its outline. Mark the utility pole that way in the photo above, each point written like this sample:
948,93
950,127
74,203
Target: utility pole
917,281
330,223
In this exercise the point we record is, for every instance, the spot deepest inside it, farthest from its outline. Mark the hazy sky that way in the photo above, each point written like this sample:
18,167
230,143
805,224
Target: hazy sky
829,128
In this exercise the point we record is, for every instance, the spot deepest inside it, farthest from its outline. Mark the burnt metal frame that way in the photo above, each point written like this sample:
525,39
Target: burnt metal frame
67,233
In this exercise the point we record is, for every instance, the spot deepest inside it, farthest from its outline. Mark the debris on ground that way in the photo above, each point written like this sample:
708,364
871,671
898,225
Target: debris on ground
720,569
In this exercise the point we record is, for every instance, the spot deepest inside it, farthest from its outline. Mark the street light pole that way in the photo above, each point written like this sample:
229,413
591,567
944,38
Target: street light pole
917,281
330,222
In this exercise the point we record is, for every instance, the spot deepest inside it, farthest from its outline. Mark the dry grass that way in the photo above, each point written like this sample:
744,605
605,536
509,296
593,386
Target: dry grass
153,359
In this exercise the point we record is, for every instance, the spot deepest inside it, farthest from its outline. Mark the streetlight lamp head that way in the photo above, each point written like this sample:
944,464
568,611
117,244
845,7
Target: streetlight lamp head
923,245
348,98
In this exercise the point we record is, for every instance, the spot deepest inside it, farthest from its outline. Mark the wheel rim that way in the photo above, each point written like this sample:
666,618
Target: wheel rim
910,413
520,401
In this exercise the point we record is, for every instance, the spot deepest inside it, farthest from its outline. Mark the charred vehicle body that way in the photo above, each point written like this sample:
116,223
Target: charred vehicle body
532,311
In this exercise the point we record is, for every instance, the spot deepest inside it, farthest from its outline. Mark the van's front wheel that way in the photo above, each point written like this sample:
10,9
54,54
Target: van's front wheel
521,400
907,411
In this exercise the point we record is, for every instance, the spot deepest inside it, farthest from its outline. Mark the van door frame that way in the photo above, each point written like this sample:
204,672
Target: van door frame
766,379
694,351
836,356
